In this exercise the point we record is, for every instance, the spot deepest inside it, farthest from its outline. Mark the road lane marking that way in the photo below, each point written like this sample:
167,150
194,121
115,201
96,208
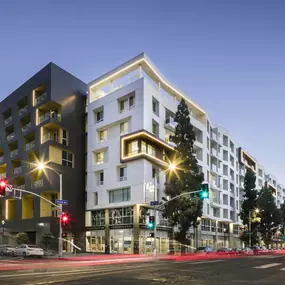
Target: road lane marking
199,262
267,265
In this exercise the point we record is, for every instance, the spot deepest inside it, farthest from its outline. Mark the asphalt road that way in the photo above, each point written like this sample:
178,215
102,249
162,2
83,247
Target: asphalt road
261,270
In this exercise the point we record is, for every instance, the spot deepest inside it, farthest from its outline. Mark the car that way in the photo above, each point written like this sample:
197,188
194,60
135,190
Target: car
28,250
247,251
6,250
204,249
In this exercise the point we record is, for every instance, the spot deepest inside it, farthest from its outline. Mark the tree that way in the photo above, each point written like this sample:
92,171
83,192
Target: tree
282,213
46,239
184,212
270,216
22,238
249,204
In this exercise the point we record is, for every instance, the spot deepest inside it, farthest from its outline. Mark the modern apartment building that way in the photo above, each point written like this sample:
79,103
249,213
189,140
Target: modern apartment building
44,120
130,119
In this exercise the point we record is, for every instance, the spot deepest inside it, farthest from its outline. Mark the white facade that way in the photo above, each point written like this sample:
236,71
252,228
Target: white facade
130,118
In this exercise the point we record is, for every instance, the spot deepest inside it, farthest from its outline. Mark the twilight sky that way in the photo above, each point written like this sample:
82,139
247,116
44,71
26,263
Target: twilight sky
228,56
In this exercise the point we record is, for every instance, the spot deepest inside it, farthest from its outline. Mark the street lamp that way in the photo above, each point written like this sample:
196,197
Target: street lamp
3,223
249,224
42,166
171,167
225,230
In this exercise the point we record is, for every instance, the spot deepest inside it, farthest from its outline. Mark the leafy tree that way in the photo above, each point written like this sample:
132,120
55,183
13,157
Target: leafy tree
22,238
184,211
282,212
270,216
249,204
47,239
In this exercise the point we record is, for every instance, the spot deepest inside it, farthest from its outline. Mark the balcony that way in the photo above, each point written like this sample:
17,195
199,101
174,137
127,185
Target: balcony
37,183
26,127
50,115
214,168
10,137
30,145
14,153
3,175
23,110
17,170
41,98
215,185
8,121
170,124
215,153
50,137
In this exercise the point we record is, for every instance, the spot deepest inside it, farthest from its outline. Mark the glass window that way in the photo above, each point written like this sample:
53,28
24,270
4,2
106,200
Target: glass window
64,137
123,173
143,146
131,101
103,135
100,157
67,158
124,127
133,148
119,195
122,106
101,178
151,150
99,116
95,198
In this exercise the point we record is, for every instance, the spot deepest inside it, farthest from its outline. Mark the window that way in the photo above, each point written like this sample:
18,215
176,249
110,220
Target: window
206,225
101,178
151,150
122,106
119,195
225,213
235,229
100,157
143,146
64,137
133,148
103,135
154,128
67,158
95,198
99,116
132,101
124,127
154,107
123,173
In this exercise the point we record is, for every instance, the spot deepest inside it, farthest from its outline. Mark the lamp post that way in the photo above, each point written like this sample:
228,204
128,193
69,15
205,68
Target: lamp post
43,166
225,230
249,225
171,167
3,223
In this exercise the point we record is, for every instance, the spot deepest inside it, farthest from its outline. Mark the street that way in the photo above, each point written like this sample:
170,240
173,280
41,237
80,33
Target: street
264,270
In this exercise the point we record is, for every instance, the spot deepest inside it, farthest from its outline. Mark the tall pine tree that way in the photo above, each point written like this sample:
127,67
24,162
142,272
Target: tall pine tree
249,204
270,216
184,212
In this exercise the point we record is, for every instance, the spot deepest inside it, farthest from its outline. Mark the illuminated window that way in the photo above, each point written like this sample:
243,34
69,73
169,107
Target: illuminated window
100,157
119,195
133,148
124,127
103,135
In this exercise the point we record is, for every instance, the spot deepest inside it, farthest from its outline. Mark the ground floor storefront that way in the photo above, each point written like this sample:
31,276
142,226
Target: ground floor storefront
124,231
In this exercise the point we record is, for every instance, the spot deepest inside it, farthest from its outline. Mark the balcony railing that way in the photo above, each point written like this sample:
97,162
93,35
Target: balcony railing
30,145
3,175
17,170
38,183
14,153
215,152
169,122
41,98
10,137
7,121
1,159
20,186
50,115
23,110
216,200
26,127
50,137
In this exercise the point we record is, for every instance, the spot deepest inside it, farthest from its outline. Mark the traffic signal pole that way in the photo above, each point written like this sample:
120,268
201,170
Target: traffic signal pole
60,217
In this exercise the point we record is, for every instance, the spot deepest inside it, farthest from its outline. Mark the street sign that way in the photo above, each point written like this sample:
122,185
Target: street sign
154,203
61,202
9,188
283,237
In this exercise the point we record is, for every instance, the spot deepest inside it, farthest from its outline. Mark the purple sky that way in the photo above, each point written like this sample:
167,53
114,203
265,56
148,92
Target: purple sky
229,56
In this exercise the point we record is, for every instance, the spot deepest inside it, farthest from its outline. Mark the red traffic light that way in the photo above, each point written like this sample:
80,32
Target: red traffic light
64,219
3,185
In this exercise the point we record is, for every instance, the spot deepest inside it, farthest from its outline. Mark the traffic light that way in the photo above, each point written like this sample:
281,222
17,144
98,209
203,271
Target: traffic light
204,193
64,219
151,222
64,235
3,185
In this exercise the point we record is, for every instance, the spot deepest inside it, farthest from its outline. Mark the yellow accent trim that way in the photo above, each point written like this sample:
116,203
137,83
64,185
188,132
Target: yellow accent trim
158,76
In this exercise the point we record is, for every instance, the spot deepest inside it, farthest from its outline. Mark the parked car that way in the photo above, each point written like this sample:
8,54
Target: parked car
6,250
247,251
204,249
28,250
